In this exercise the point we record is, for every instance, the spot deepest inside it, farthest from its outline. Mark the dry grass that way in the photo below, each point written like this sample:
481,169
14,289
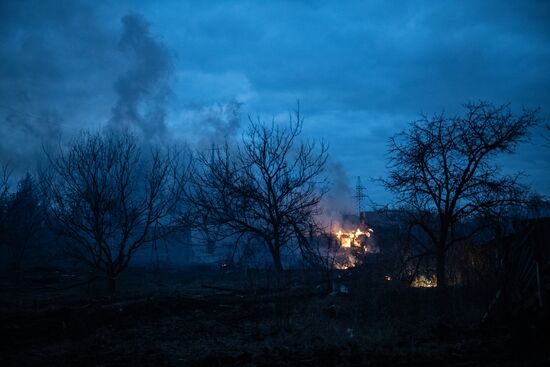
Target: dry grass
170,319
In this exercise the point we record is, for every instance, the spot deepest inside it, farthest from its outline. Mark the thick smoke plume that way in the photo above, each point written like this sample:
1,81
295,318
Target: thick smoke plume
338,201
143,89
65,67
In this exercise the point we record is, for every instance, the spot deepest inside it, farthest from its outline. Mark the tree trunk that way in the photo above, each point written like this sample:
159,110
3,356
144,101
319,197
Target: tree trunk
442,291
440,267
277,263
441,247
111,282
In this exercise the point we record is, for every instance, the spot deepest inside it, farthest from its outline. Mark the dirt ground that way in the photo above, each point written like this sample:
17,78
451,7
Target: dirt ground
210,317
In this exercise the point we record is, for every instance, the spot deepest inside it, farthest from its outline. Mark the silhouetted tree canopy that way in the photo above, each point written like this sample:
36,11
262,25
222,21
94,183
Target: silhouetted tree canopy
267,187
443,170
109,200
24,220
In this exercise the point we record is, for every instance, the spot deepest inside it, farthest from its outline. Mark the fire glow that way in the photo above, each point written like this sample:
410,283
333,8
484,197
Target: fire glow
423,281
353,246
353,238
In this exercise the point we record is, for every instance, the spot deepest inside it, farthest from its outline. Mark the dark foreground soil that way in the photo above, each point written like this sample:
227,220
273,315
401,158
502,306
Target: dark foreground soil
300,324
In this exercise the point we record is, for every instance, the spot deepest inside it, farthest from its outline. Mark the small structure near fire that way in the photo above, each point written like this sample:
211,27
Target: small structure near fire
424,281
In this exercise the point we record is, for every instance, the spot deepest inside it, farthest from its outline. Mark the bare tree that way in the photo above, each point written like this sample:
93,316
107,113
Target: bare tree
4,202
108,200
4,181
442,169
268,187
23,221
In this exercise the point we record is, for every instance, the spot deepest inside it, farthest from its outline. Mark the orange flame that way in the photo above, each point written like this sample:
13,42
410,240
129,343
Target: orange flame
352,239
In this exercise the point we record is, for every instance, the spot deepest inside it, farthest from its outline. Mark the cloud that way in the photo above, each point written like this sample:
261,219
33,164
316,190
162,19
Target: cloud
378,56
210,87
362,70
53,78
202,125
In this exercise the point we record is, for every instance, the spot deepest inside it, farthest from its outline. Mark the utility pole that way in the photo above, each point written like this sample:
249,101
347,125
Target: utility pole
359,195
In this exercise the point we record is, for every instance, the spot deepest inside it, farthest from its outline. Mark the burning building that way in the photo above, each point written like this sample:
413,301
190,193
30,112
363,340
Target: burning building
354,243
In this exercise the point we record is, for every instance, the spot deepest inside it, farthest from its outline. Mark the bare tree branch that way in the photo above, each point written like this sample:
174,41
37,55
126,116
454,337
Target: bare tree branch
108,200
269,186
444,166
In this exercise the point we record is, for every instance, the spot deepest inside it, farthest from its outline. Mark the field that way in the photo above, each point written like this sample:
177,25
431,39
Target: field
212,317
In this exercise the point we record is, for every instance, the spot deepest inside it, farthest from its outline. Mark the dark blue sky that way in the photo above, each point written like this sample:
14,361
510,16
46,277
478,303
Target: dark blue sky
362,70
